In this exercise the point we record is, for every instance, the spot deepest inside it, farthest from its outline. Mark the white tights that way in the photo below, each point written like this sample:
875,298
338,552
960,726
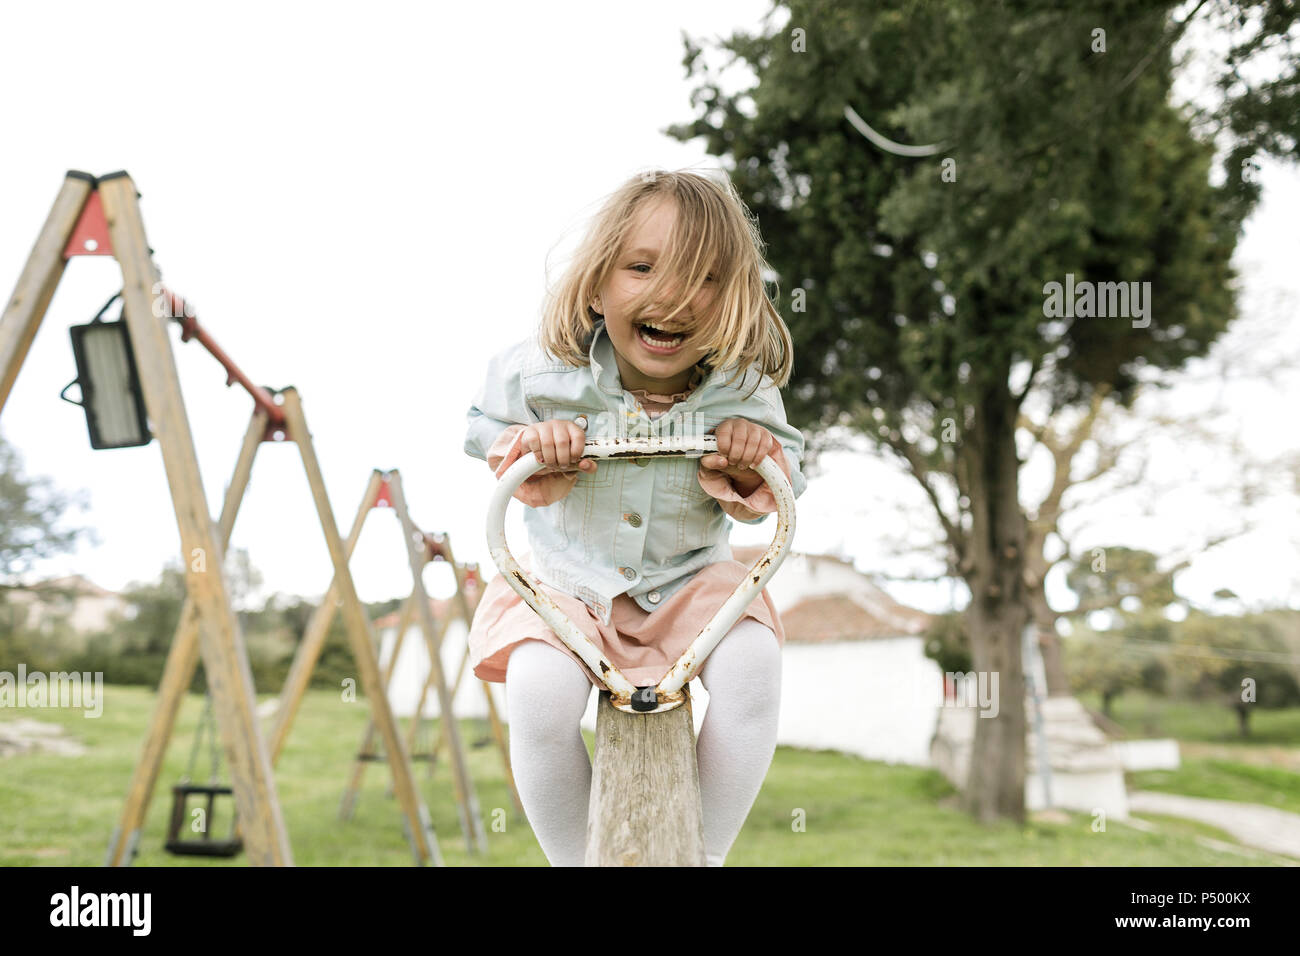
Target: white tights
547,694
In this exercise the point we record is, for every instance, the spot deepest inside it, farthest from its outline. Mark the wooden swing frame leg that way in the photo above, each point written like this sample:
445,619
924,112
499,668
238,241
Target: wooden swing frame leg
471,819
418,823
494,719
366,752
220,640
309,649
178,672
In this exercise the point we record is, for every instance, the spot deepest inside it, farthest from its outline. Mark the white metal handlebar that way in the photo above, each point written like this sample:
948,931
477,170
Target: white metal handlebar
623,694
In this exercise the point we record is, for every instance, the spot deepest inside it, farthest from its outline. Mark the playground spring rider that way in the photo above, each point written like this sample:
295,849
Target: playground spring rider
641,735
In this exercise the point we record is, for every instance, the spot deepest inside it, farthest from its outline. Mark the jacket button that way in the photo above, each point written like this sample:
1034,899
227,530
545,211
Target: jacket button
633,519
629,573
653,597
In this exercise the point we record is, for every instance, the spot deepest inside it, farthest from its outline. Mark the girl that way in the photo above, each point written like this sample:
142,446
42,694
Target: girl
661,325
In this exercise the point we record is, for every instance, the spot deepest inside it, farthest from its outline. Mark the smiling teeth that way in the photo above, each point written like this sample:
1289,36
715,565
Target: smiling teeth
660,343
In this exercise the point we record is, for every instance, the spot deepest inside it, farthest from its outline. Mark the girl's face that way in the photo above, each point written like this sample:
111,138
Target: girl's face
658,361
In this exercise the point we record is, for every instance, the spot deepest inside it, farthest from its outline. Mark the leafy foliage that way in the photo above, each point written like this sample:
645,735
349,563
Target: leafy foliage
30,513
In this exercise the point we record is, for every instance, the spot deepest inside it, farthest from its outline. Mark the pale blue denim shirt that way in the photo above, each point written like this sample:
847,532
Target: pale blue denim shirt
584,544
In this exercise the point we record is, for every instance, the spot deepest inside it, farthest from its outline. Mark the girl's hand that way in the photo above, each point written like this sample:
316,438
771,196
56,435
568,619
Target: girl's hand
558,443
742,444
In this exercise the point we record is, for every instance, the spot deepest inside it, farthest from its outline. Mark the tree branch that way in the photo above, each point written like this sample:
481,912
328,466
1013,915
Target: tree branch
921,471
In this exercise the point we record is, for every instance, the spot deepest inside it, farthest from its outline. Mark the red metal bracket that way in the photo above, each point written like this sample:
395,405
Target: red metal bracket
90,236
274,432
435,547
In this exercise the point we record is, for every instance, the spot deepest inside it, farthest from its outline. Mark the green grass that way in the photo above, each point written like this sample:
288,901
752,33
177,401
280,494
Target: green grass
866,813
1142,715
1217,763
816,808
1225,780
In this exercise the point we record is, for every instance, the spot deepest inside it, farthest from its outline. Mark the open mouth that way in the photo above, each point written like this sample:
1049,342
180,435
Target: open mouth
659,340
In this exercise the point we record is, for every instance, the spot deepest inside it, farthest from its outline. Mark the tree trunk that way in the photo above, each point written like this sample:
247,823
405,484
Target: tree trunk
998,610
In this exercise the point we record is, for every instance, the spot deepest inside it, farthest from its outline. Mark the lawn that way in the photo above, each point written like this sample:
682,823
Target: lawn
815,809
1143,715
1216,761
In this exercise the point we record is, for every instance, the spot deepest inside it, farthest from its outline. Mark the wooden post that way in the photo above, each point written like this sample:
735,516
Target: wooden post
471,820
494,719
178,672
225,658
645,789
40,277
366,752
313,639
413,728
419,825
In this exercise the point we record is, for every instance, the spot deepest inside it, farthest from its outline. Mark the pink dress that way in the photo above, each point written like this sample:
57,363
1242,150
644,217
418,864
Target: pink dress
641,644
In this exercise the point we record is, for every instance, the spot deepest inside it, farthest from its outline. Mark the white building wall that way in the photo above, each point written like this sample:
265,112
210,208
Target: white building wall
876,699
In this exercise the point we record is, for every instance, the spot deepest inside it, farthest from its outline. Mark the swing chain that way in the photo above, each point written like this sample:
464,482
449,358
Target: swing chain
207,726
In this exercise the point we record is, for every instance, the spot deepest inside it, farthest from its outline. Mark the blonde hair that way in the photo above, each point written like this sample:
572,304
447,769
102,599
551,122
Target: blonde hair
714,234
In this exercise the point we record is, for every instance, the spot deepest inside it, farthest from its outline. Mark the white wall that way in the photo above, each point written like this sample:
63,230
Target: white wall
877,699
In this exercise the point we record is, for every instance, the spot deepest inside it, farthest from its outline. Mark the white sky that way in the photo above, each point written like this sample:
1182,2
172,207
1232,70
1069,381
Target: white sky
362,205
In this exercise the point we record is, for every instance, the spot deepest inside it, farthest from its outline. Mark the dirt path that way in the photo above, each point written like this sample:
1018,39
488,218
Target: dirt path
1252,824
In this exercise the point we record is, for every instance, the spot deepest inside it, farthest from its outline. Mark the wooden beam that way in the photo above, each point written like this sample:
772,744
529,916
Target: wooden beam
471,820
38,280
413,728
178,672
225,658
313,639
494,719
420,828
367,750
645,789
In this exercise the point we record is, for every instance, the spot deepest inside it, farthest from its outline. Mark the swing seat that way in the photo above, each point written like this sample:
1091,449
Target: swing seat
204,845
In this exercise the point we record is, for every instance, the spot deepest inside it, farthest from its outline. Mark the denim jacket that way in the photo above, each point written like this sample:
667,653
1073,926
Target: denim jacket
640,526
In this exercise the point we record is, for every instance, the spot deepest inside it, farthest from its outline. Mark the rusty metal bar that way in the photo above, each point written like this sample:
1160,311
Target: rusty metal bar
668,693
190,328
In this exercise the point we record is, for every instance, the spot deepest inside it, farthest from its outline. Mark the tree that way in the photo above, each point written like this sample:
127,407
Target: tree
155,612
1126,581
1126,584
1100,460
30,512
921,307
1242,662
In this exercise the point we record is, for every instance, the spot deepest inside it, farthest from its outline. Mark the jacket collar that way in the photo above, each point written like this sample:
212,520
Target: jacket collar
604,367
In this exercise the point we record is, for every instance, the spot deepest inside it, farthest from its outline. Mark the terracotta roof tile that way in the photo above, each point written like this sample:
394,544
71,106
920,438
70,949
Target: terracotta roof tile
839,617
864,614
